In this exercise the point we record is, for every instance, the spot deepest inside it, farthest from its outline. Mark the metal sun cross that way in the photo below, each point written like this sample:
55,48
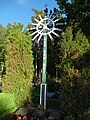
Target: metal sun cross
43,28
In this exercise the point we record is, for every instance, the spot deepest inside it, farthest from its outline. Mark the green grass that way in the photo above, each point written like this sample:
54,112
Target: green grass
7,104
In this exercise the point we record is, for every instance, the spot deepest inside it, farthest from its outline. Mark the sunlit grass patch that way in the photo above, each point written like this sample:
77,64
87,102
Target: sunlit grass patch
7,104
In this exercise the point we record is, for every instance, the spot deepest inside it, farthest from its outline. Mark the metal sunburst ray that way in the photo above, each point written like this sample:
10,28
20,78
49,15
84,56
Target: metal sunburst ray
50,37
56,20
34,24
39,38
34,33
55,34
34,28
40,26
40,17
57,29
36,36
36,20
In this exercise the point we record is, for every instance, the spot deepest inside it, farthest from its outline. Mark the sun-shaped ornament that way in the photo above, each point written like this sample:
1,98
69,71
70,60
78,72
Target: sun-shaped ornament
44,26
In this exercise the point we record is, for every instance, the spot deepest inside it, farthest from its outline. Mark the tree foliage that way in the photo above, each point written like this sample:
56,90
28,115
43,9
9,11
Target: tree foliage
74,58
69,57
77,12
3,42
72,48
73,71
37,48
19,64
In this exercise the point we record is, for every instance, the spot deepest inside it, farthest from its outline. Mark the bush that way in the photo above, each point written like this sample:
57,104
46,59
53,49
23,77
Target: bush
19,65
69,117
74,70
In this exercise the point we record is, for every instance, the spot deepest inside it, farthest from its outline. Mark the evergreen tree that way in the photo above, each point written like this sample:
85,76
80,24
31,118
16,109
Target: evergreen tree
19,64
74,73
3,35
77,12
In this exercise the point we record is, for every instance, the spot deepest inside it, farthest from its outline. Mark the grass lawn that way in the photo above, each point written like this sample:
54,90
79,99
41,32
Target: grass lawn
7,104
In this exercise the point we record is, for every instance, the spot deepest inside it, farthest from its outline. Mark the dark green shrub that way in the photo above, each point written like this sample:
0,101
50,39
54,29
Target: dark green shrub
74,69
69,117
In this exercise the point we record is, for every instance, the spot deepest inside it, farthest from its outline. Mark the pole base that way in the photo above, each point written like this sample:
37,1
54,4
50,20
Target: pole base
43,93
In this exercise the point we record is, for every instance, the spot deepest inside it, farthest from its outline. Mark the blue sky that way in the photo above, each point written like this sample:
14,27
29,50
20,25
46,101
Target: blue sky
21,10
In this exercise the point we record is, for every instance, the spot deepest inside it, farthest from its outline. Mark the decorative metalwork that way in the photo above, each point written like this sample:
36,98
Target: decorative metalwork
42,25
43,28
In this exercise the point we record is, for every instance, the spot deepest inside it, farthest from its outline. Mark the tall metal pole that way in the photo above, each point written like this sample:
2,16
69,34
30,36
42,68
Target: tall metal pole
43,85
44,27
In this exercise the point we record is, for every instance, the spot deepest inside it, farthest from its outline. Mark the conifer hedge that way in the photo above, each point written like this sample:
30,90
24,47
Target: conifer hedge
19,64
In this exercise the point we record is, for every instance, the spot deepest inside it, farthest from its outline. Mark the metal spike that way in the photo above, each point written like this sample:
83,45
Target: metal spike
35,36
59,23
56,20
50,36
34,33
36,20
39,38
40,17
55,33
33,28
57,29
33,24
